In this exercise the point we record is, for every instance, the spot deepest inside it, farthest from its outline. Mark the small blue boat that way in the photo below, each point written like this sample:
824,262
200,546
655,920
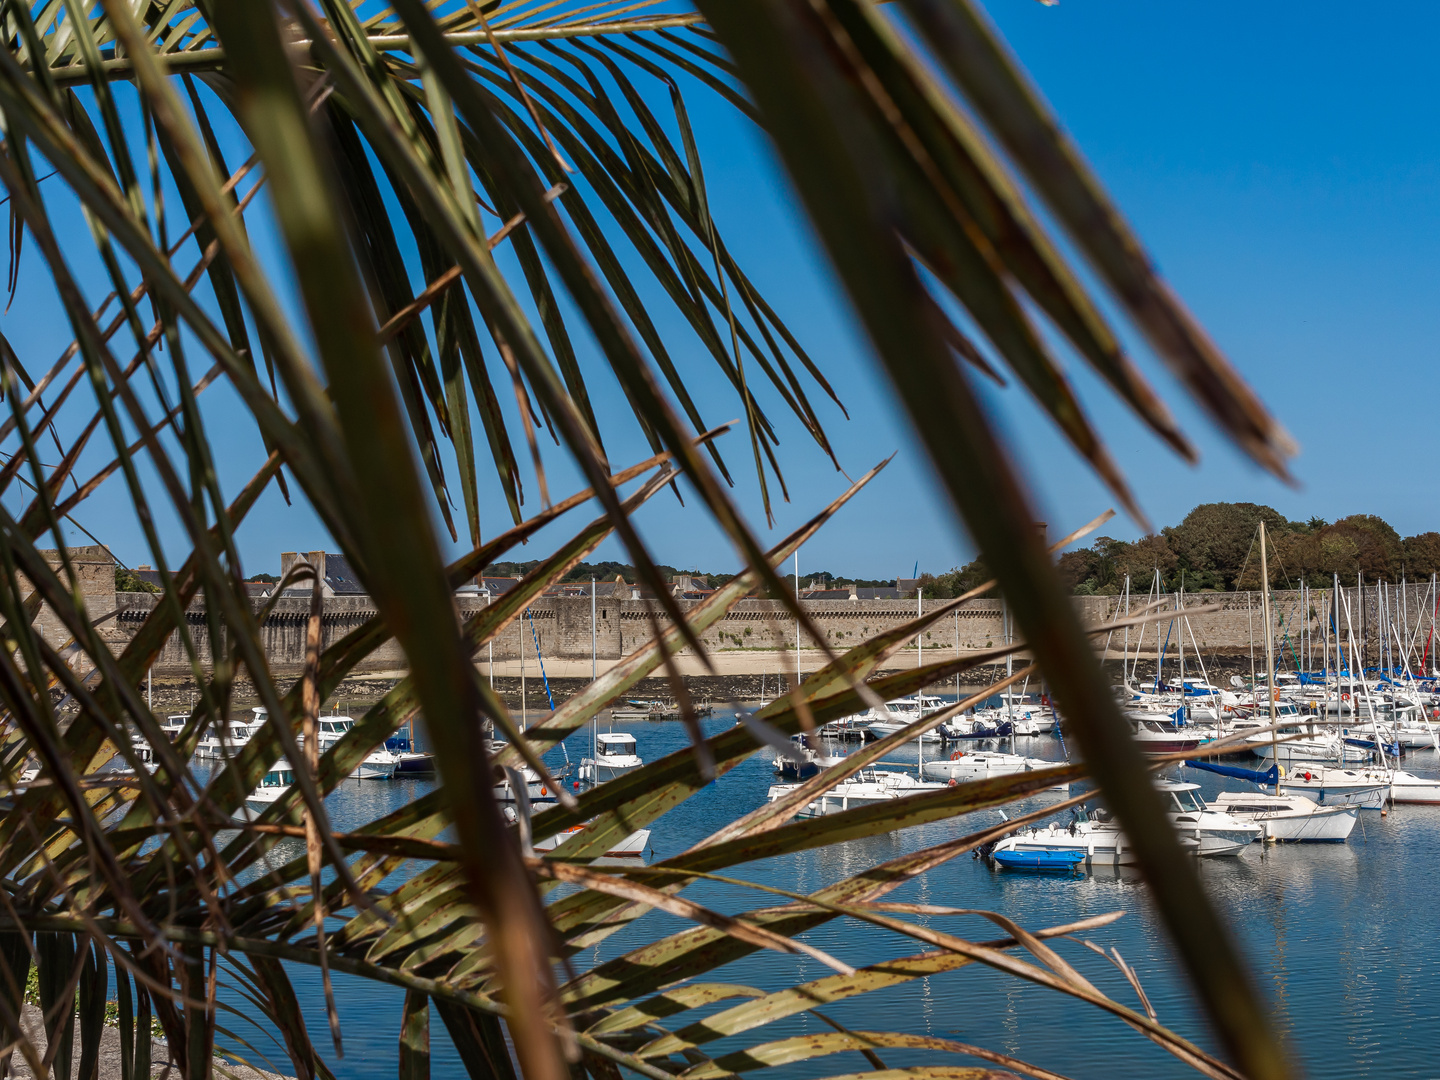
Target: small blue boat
1060,859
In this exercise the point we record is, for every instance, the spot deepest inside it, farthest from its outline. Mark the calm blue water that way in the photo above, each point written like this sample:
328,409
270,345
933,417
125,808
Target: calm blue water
1338,937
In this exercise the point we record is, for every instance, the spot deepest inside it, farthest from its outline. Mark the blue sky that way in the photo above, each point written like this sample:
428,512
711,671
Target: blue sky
1280,163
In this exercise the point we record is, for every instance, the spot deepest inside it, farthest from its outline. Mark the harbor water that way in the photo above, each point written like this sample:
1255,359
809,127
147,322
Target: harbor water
1338,938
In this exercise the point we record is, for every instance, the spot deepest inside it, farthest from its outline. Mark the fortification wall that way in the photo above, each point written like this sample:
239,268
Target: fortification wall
562,626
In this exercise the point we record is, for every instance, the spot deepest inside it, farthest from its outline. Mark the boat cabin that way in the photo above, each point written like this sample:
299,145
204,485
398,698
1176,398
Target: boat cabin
615,744
1183,796
282,776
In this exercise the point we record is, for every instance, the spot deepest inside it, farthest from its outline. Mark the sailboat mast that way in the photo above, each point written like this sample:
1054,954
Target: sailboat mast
1180,608
1269,653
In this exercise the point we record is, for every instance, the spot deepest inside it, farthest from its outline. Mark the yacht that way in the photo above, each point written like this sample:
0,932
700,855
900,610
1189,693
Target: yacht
867,787
901,713
1289,818
272,785
1029,717
615,755
237,734
964,766
379,764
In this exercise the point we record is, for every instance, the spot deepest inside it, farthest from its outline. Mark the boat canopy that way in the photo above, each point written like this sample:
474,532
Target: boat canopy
1268,777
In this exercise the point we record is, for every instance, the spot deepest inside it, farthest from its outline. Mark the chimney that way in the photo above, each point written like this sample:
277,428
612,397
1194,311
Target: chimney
287,562
317,560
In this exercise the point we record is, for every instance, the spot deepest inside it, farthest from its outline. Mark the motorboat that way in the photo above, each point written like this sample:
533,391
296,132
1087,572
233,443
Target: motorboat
1201,830
802,761
379,764
215,748
899,714
631,847
1098,839
1164,736
1029,717
1216,832
1291,818
273,784
1333,786
867,787
990,724
1060,859
964,766
615,755
1406,787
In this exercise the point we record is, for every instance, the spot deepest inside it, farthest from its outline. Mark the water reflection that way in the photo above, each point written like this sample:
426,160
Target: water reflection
1337,935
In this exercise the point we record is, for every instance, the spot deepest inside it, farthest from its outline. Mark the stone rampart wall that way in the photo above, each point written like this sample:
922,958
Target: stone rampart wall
562,625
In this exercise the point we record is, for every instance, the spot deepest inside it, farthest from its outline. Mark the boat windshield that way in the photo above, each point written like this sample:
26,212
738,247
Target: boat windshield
619,746
1187,801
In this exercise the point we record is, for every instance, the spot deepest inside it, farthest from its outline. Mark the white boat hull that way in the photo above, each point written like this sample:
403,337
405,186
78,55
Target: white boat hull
867,790
1360,791
984,766
1291,818
632,847
1408,788
376,767
601,771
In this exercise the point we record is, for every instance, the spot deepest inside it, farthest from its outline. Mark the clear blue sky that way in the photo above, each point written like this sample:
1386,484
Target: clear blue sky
1280,161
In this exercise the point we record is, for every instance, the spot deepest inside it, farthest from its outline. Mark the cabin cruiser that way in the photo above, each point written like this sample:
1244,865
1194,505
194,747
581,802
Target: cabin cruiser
964,766
900,714
1163,735
1291,818
1028,717
1200,830
379,764
866,788
273,784
615,755
214,748
981,724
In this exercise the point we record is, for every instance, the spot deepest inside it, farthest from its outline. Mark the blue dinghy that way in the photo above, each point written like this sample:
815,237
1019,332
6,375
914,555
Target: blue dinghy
1063,859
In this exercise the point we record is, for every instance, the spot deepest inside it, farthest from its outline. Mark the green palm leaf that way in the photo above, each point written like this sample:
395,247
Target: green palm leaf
462,195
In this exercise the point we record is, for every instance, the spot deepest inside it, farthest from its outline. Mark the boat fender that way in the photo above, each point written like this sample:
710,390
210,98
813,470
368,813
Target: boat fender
957,755
952,781
543,791
1280,771
1307,774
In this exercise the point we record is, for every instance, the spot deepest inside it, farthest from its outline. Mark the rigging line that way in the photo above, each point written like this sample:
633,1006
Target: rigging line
543,677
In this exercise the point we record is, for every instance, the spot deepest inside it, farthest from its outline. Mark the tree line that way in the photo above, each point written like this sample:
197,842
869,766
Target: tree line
1215,549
